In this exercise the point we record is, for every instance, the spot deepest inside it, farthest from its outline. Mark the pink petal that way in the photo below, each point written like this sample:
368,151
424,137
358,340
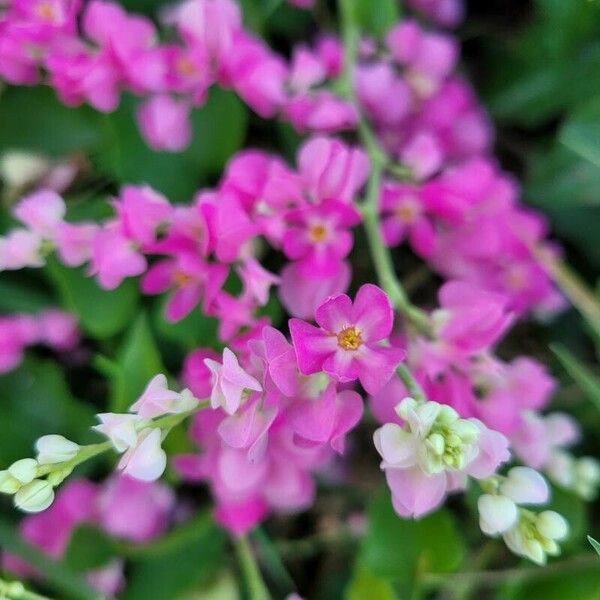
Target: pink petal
372,313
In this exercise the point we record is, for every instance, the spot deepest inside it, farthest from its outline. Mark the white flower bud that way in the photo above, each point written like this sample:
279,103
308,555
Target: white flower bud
587,477
54,449
552,525
24,470
35,496
497,513
19,168
8,484
525,486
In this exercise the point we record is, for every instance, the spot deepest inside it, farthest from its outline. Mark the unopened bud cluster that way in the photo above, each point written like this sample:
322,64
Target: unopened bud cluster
32,480
527,533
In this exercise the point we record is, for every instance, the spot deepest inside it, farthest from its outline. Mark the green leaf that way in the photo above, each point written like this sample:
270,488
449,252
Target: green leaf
196,330
18,294
219,129
88,548
366,585
558,178
175,564
376,21
581,132
595,544
101,313
138,360
396,548
37,401
585,379
574,510
31,118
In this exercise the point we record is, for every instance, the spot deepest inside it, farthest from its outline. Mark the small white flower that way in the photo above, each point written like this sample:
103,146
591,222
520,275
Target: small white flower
36,496
119,429
535,536
54,449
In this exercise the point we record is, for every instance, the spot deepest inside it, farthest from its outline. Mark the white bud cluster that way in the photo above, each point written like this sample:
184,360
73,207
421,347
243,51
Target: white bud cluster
24,478
526,533
579,475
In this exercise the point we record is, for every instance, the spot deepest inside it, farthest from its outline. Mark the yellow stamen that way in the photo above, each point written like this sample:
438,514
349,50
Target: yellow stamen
349,339
318,233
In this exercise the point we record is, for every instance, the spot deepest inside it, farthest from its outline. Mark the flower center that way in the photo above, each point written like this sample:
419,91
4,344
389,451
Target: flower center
349,339
516,279
45,11
408,211
180,278
186,67
318,232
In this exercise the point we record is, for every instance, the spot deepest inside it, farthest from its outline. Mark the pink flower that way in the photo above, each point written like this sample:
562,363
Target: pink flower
320,111
306,70
114,257
332,170
58,329
301,293
74,242
345,344
256,74
165,123
229,224
146,460
256,280
142,211
248,428
229,382
404,214
211,24
191,278
386,97
20,249
448,13
41,212
157,399
325,419
423,155
196,375
134,510
318,236
470,319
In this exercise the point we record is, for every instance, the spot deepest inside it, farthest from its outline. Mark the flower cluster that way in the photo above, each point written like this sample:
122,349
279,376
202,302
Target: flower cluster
434,452
529,534
283,409
280,409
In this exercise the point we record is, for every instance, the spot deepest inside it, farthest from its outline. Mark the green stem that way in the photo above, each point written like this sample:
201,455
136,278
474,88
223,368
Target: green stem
166,423
257,589
411,383
489,579
379,161
15,590
572,286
